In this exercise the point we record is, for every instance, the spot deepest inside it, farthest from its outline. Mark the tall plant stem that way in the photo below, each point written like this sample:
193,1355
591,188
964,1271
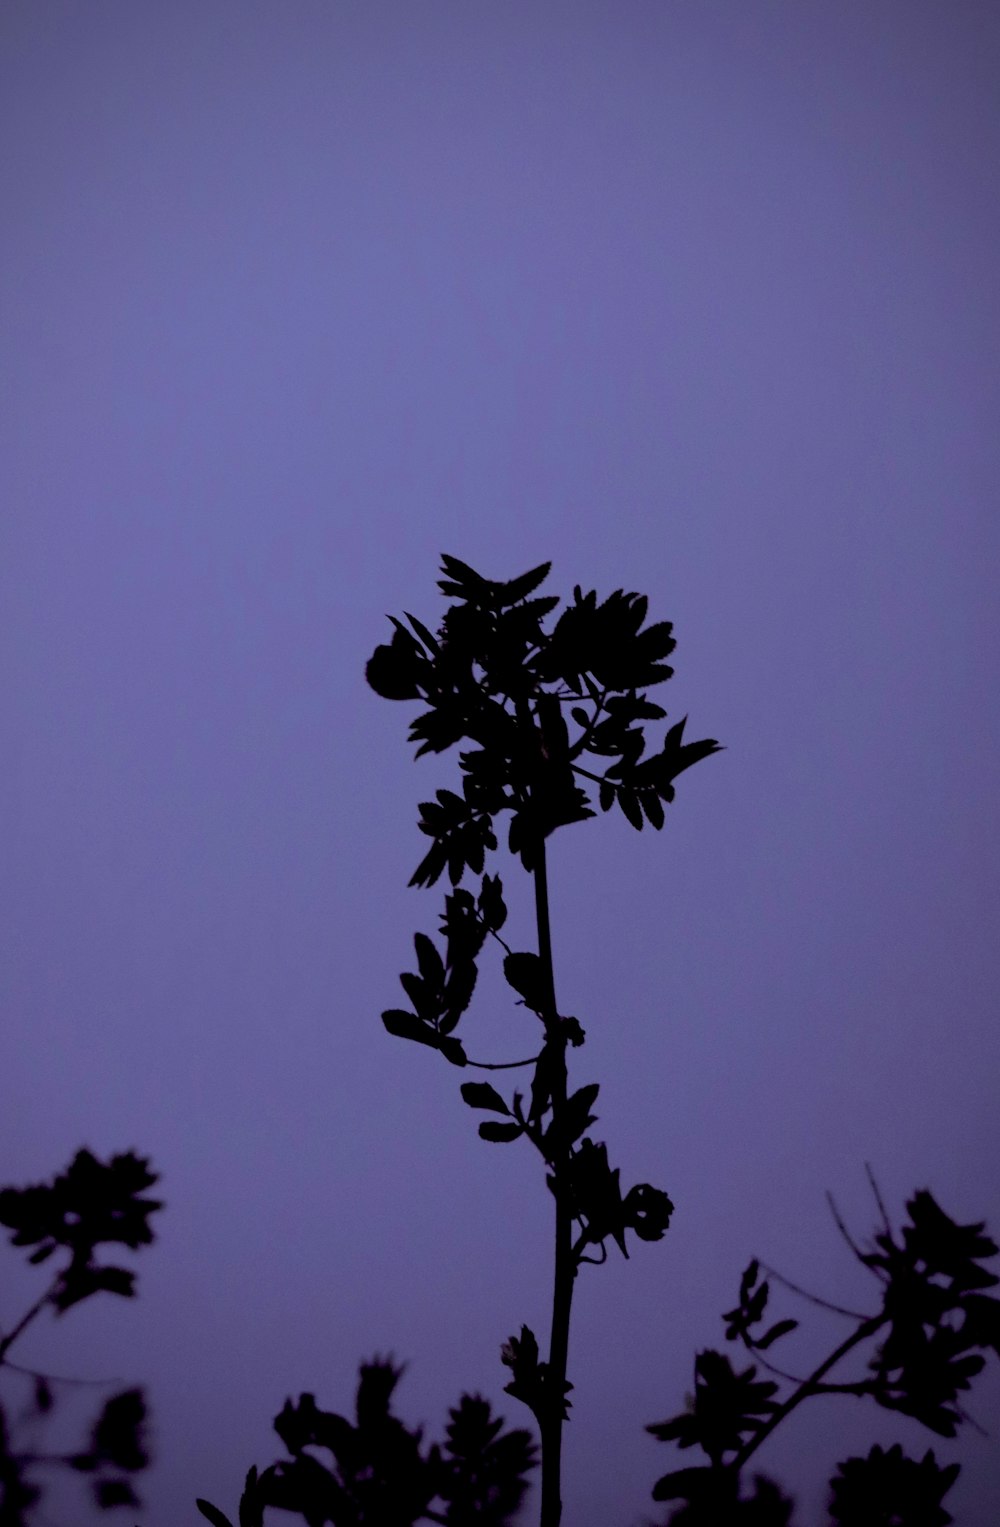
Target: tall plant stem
565,1267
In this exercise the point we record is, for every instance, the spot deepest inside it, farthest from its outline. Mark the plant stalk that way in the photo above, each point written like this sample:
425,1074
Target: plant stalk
565,1266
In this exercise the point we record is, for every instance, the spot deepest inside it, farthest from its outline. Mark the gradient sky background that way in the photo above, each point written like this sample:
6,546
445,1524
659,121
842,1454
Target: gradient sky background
694,299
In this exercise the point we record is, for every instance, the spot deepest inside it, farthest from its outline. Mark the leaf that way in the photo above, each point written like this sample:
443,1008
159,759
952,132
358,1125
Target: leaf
431,964
461,579
425,636
519,588
682,1484
577,1116
492,908
653,807
394,668
630,806
458,991
409,1026
452,1051
482,1095
656,641
782,1328
501,1133
212,1513
416,990
749,1278
430,867
606,795
251,1505
524,972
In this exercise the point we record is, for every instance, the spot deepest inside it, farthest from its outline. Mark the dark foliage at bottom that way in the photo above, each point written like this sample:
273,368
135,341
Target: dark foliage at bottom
377,1472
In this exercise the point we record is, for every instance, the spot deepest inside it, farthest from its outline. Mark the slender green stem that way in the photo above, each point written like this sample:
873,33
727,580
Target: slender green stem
565,1262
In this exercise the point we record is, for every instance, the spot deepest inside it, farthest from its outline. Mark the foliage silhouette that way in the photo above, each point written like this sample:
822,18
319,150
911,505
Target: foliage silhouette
91,1204
379,1476
493,676
934,1321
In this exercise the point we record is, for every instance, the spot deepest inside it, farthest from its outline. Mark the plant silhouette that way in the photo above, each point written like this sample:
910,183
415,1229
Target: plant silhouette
495,678
532,703
91,1204
378,1475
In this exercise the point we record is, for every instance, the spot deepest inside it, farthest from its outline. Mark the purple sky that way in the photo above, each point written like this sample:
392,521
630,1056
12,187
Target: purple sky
694,299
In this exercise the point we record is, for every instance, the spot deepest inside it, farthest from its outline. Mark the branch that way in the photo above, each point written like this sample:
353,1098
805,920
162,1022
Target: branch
7,1341
825,1304
502,1065
810,1386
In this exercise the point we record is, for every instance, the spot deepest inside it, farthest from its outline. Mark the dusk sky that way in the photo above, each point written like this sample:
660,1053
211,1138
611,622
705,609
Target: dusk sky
691,298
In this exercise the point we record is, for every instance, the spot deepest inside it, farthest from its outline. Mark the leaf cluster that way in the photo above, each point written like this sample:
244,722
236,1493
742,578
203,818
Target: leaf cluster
377,1471
92,1203
532,1379
494,676
441,987
937,1322
117,1447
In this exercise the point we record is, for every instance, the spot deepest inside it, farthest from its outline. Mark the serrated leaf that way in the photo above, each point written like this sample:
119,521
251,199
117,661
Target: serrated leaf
656,641
630,806
461,579
606,795
416,990
500,1133
482,1095
429,960
520,587
653,807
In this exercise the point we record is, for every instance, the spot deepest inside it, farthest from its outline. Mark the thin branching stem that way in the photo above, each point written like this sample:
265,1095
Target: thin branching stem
812,1385
502,1065
825,1304
6,1342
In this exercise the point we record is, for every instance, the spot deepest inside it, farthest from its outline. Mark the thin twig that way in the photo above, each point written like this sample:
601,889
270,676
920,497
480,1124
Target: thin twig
7,1341
57,1378
502,942
825,1304
811,1386
861,1255
878,1199
501,1065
